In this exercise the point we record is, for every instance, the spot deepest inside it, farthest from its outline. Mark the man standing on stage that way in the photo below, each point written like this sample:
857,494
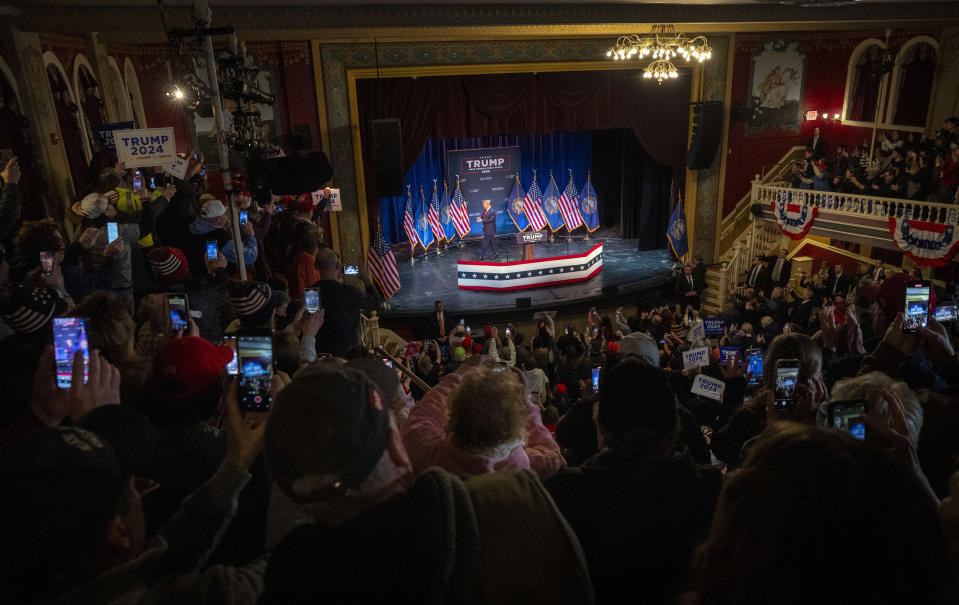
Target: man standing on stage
488,218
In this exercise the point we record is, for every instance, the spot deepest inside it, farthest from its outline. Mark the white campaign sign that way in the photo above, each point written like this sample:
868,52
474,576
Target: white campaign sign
695,358
145,147
708,387
336,204
178,168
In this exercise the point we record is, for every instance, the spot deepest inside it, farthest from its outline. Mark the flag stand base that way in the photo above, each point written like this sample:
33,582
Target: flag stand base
587,236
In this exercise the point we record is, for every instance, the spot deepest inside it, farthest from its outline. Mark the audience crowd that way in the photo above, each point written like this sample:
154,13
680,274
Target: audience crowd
553,462
909,167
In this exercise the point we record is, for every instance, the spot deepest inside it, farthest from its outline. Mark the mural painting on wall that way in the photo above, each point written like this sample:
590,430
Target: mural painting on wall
775,88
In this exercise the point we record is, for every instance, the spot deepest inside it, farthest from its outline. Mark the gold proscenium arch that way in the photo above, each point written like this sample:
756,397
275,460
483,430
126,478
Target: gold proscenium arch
352,75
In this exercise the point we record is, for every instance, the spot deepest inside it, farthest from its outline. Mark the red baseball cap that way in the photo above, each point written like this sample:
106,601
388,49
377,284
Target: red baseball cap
192,362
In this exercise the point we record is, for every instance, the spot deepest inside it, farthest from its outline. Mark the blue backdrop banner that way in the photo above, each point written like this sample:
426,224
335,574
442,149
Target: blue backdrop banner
556,152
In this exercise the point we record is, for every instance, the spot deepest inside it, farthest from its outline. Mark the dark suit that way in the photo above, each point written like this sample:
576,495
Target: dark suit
758,278
801,314
684,287
489,234
435,332
818,147
783,275
838,285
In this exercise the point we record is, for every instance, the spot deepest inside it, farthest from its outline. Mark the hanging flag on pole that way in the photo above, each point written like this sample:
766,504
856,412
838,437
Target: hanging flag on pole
588,207
569,205
461,216
515,206
446,214
423,230
434,216
551,205
382,265
676,231
533,207
409,223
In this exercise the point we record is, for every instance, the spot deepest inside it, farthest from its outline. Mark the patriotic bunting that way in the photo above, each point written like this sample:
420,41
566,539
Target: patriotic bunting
928,244
795,220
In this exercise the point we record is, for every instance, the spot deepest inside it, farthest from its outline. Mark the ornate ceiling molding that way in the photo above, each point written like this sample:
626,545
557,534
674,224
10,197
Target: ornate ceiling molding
356,23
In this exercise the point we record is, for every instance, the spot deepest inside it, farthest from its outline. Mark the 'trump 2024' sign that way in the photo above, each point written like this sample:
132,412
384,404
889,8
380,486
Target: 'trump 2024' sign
485,174
145,147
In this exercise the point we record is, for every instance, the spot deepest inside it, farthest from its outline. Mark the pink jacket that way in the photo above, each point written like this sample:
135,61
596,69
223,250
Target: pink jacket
424,435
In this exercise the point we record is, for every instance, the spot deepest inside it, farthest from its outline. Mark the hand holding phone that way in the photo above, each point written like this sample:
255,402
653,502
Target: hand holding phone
112,232
69,337
211,251
351,270
179,311
787,379
254,352
916,310
244,216
46,262
311,298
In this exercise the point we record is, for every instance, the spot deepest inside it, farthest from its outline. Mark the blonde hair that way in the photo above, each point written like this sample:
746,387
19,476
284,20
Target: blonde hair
487,409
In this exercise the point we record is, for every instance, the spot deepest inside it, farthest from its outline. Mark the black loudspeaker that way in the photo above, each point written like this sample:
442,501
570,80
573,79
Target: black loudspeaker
524,303
707,131
387,157
301,140
299,173
612,290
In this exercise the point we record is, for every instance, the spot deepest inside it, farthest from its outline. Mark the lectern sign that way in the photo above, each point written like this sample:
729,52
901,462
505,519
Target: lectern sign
530,237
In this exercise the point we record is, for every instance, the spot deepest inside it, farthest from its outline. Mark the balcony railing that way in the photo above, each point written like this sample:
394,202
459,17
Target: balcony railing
856,205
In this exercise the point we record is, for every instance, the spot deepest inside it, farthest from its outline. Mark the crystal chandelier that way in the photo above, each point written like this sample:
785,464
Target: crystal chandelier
662,45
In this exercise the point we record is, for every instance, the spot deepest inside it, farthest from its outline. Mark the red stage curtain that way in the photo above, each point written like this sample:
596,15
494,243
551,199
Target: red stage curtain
450,107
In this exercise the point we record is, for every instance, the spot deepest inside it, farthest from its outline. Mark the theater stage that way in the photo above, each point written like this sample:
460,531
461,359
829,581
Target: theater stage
434,277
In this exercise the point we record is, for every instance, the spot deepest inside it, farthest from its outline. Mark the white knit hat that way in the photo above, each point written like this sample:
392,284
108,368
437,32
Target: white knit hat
212,208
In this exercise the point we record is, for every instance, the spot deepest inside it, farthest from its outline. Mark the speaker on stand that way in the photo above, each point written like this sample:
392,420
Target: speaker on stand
707,133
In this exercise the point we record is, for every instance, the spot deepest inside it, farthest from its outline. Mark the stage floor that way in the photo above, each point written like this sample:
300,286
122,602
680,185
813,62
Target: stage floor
434,277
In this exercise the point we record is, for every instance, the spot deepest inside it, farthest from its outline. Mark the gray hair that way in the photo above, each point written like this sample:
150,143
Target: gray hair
870,387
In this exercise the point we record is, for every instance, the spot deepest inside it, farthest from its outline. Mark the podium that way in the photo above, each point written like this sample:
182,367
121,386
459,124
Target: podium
528,239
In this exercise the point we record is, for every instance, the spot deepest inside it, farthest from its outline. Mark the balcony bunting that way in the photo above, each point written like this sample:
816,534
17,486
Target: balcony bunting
795,220
928,244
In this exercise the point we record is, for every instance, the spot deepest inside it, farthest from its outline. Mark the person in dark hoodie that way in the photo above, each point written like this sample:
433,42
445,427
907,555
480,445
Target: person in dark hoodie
207,297
213,224
641,504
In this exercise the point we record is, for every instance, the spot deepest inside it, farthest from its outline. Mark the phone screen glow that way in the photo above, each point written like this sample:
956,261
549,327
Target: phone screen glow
70,336
112,232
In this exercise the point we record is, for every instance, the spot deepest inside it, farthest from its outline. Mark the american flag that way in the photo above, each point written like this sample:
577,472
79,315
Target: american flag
459,212
408,222
382,265
434,216
533,206
569,205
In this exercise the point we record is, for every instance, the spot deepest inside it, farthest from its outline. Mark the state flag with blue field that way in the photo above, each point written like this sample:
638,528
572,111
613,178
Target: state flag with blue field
676,230
515,205
588,208
550,204
424,231
446,215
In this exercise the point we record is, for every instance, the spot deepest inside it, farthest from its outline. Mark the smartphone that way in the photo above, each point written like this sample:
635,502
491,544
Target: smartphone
462,322
254,355
916,311
179,311
46,262
754,366
847,416
497,366
137,181
596,371
946,312
244,215
311,297
70,336
350,270
153,183
468,330
388,362
112,232
507,331
211,252
787,377
232,368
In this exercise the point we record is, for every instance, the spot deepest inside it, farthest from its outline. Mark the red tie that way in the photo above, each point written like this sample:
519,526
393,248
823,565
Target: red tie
484,213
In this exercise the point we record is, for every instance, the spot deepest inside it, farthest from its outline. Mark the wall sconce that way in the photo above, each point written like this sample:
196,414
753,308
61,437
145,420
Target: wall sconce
832,119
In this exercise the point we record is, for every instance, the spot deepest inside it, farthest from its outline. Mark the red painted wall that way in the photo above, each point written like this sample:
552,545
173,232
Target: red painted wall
824,84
